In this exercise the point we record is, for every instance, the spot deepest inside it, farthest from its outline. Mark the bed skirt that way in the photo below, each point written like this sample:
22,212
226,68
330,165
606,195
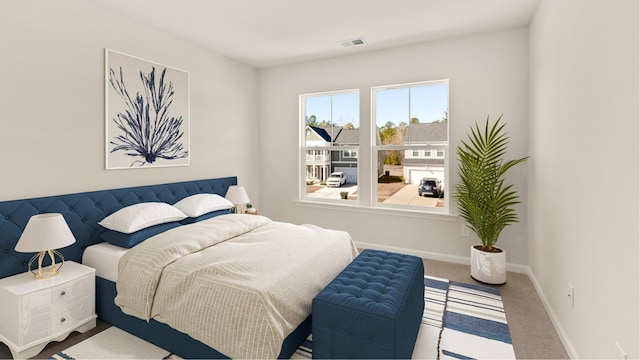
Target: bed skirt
174,341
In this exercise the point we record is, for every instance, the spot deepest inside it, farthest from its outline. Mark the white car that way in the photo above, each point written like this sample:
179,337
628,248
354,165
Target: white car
337,179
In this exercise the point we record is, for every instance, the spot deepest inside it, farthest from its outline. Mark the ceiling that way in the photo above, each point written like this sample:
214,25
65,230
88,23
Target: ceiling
264,33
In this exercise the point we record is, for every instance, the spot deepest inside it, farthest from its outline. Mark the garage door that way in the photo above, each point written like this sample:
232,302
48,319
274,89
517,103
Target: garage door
350,173
416,175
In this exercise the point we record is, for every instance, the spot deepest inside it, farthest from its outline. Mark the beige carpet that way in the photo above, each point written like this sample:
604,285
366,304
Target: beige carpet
533,335
532,332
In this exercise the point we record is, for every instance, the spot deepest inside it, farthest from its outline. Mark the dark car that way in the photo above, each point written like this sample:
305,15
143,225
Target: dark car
430,186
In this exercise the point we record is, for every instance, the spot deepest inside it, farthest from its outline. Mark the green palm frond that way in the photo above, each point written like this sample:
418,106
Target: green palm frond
484,201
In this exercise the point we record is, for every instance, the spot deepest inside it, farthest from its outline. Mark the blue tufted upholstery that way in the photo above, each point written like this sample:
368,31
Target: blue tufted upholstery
82,212
372,309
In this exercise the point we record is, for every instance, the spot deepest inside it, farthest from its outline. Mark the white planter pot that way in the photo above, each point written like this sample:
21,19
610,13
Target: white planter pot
489,268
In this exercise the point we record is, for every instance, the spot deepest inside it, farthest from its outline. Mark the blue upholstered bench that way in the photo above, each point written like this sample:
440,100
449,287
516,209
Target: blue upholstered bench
372,309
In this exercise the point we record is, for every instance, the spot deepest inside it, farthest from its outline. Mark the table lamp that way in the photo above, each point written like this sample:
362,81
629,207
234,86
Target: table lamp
44,234
237,195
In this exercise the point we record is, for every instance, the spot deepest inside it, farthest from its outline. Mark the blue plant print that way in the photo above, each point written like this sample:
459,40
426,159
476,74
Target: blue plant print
148,129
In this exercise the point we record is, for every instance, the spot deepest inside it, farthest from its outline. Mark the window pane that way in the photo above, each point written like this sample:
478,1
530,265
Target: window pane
417,182
332,175
392,115
329,115
332,128
412,129
346,110
428,104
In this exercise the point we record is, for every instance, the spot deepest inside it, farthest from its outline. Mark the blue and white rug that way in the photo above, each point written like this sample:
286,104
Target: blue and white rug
474,325
460,321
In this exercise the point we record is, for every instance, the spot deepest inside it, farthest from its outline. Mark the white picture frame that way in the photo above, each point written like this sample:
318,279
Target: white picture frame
146,113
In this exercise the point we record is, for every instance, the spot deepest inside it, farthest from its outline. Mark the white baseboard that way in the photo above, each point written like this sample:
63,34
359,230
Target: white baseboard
435,256
566,342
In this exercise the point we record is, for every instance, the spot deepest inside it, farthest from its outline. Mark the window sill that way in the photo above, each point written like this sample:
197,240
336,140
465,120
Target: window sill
387,211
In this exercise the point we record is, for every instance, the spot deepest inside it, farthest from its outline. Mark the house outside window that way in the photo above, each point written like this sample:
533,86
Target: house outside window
410,120
330,141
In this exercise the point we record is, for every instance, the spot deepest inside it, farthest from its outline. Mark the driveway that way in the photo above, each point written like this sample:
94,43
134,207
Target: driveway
408,195
333,192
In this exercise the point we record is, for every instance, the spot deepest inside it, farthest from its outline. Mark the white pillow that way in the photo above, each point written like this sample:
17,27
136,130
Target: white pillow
140,216
200,204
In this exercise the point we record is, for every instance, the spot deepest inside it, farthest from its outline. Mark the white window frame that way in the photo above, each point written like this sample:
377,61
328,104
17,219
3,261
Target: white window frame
367,158
303,148
376,148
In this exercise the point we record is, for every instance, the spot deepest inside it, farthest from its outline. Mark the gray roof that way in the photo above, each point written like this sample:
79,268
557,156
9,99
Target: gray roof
348,137
338,135
426,132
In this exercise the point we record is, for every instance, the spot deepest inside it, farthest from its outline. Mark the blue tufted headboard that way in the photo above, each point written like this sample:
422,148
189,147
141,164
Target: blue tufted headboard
83,211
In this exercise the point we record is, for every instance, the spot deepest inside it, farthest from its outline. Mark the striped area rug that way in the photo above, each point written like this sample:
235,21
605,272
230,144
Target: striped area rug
473,322
460,321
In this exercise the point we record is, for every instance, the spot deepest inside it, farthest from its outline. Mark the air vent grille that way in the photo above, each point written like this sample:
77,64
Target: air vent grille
352,42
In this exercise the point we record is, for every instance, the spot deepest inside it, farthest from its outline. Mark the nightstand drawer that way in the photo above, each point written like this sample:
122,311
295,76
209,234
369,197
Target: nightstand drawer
65,315
72,290
36,303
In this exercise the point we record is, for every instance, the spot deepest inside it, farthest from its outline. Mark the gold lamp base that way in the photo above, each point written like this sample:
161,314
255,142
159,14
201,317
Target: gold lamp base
40,274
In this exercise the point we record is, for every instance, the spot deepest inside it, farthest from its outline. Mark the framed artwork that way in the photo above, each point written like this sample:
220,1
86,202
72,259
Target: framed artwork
146,113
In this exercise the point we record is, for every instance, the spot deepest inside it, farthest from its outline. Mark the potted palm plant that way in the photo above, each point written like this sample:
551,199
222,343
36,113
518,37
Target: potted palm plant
485,202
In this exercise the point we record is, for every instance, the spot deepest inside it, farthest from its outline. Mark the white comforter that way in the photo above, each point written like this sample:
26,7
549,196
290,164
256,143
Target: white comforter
242,296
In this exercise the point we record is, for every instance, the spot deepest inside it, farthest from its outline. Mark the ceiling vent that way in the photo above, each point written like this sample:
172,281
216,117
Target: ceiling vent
352,42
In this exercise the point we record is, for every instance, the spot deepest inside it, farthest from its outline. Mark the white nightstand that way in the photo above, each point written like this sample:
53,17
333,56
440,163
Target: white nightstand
36,312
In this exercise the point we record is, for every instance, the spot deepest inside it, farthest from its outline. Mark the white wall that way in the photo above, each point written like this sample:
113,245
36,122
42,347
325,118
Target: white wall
52,101
583,229
488,76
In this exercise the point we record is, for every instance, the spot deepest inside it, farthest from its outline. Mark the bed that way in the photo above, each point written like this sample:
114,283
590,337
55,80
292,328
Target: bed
83,211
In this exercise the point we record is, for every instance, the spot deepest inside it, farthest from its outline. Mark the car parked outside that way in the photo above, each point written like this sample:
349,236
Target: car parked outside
430,186
336,179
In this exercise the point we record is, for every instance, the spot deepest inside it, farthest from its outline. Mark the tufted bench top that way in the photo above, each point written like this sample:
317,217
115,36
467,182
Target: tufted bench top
374,283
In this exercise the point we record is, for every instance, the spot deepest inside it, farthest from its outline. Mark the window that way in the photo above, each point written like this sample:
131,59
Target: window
407,143
410,120
350,153
329,144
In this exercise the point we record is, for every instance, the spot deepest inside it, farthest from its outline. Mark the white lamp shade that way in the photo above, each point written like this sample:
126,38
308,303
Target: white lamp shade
45,232
237,195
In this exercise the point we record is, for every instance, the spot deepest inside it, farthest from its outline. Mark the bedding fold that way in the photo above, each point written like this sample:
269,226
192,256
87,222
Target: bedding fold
238,283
